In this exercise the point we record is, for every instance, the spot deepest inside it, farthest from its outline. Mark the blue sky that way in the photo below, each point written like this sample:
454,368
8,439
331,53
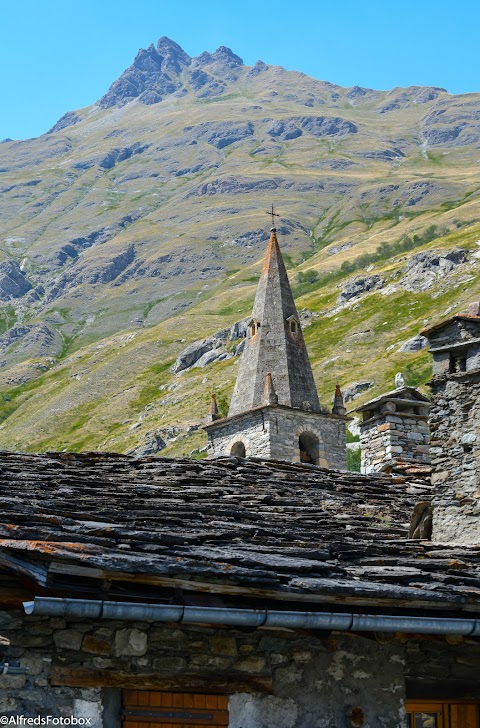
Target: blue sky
58,55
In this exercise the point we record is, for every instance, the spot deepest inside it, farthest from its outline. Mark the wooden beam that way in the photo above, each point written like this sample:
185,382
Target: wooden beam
187,682
444,690
310,597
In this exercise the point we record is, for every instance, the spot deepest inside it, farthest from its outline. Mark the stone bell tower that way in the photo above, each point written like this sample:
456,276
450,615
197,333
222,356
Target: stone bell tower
275,411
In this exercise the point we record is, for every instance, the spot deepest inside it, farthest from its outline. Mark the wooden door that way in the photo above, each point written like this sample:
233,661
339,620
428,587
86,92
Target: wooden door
463,715
151,709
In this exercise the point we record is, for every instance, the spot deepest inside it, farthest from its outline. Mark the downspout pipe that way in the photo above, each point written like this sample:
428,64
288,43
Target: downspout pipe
341,622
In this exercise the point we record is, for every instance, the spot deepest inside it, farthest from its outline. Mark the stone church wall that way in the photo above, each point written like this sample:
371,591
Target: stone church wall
274,431
251,428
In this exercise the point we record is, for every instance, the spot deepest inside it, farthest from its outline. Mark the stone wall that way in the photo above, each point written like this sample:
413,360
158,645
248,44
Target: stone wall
392,437
455,454
274,431
435,667
286,426
251,428
316,681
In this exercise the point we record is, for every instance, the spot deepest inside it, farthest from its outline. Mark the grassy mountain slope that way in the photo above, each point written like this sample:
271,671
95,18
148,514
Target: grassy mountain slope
138,228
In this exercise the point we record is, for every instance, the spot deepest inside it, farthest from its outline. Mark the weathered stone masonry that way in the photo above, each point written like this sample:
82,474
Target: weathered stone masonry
306,680
455,453
274,431
455,428
394,429
289,680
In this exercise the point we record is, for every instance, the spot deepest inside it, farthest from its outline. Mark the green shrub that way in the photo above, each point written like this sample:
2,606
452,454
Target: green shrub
388,250
309,276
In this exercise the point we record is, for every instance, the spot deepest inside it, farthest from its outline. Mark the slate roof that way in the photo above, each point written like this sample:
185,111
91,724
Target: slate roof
264,529
406,393
433,328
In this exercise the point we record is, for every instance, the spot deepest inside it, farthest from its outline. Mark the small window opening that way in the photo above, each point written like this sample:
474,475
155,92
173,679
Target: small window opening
293,326
457,364
309,448
253,326
238,450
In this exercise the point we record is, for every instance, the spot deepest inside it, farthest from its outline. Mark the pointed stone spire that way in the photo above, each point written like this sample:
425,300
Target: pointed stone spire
338,403
269,394
213,413
274,344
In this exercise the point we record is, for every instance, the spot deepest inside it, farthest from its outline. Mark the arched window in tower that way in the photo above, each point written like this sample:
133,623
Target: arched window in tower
253,327
238,449
308,445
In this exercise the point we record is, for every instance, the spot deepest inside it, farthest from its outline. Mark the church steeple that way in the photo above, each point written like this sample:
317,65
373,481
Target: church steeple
275,345
275,412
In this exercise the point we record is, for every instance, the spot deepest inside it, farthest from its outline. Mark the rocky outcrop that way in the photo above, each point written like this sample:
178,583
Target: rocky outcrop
120,155
152,445
233,185
204,352
384,154
221,134
75,246
101,269
423,269
27,341
166,69
399,98
358,286
211,356
319,126
452,123
417,343
189,356
68,119
13,281
352,391
239,329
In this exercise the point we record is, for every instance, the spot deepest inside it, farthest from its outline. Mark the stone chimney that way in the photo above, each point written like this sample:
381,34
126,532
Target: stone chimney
455,427
394,430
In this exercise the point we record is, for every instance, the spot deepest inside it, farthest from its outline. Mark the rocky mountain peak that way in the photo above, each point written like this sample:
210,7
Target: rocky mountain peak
222,56
147,59
153,74
174,58
156,72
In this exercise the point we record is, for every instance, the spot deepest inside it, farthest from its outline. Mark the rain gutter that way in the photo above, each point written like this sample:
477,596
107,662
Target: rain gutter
342,622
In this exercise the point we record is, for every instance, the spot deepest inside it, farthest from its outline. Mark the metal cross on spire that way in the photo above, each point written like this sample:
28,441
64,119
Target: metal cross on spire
273,215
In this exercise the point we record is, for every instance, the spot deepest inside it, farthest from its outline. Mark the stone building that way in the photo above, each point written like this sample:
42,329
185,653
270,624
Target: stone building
394,429
455,426
275,411
229,592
